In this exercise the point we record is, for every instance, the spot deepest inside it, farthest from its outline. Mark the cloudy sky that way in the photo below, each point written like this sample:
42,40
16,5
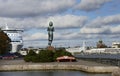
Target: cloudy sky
75,21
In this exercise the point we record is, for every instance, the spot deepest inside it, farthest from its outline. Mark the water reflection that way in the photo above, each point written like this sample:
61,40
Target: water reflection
49,73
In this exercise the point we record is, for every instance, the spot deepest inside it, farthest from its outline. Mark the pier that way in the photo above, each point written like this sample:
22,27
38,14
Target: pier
80,65
111,59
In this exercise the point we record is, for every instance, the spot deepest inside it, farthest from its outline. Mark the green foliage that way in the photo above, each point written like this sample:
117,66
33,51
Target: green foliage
35,59
45,55
31,53
5,46
27,58
65,53
30,56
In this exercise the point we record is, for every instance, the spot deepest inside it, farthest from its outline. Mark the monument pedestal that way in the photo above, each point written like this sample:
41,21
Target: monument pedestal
51,48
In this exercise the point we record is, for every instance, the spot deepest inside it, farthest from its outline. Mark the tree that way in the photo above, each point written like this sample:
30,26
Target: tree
100,44
5,45
31,53
46,56
30,56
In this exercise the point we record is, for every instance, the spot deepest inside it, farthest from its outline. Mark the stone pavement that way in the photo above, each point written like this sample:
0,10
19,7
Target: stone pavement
79,62
81,65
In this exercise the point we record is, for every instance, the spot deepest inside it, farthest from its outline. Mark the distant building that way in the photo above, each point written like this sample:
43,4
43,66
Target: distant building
116,44
77,49
25,51
104,50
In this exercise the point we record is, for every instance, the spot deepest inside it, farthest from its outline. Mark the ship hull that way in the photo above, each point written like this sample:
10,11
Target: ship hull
16,47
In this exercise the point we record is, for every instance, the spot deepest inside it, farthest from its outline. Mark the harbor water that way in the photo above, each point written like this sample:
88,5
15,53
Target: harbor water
50,73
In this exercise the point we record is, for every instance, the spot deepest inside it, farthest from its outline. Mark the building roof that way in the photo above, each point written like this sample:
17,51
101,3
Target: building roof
66,57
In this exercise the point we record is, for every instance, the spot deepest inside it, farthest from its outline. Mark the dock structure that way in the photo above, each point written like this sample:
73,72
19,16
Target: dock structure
80,65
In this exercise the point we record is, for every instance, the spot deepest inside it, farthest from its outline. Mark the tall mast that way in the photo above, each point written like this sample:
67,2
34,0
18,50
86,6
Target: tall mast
84,46
6,26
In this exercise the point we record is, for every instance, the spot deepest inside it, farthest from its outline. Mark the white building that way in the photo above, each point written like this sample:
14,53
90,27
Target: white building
104,50
25,52
116,44
74,50
77,49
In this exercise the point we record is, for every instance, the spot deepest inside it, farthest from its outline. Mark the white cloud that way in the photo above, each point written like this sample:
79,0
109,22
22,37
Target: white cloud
103,26
98,25
29,8
103,21
101,32
68,21
115,29
66,36
44,36
89,5
94,30
35,36
107,24
36,14
65,21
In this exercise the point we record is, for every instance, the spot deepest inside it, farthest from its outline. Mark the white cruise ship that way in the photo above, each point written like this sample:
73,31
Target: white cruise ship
16,38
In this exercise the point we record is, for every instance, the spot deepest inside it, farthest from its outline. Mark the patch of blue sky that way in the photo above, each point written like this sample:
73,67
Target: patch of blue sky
110,8
75,29
34,30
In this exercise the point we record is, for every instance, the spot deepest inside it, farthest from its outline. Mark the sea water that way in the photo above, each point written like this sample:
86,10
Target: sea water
50,73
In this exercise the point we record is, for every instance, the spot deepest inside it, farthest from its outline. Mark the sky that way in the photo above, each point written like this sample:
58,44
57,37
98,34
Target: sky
74,21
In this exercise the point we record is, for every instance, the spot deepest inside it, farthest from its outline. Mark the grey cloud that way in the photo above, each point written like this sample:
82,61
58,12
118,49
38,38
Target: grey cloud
90,5
105,21
43,36
29,8
35,36
77,36
60,21
108,31
90,30
68,21
115,29
108,25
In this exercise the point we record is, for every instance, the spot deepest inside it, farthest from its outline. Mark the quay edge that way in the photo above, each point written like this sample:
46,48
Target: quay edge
29,67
